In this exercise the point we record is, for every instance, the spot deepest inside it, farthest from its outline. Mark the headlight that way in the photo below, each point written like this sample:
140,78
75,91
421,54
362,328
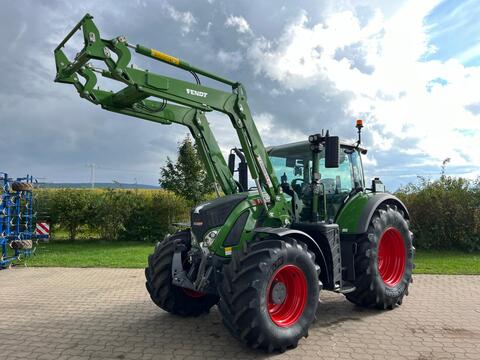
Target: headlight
210,237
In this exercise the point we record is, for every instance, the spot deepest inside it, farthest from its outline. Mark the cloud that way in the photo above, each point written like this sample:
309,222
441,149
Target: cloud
21,32
307,66
239,23
52,133
469,54
206,32
185,18
266,123
381,64
273,134
231,59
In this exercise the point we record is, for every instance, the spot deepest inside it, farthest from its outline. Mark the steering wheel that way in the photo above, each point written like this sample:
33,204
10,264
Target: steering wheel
293,184
294,181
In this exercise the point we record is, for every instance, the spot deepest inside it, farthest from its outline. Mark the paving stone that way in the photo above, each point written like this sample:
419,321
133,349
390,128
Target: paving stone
107,314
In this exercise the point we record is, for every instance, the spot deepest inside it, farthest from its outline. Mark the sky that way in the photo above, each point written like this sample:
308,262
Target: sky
409,69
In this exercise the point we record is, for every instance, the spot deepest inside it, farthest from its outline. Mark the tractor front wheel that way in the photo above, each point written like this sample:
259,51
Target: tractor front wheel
171,298
269,293
384,261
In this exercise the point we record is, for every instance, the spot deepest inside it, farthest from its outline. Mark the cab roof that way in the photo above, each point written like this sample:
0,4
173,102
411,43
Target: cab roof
301,146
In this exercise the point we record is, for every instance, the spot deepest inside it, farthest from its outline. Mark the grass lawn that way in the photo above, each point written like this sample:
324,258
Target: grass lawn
92,253
447,262
97,253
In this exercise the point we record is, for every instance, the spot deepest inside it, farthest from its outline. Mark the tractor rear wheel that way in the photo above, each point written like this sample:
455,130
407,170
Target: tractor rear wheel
171,298
269,293
384,261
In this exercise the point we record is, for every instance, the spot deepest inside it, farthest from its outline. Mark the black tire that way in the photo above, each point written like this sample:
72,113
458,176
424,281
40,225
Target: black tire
21,186
383,288
243,293
163,293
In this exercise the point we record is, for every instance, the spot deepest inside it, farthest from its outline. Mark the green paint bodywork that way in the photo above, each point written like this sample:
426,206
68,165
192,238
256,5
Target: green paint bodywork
256,214
349,216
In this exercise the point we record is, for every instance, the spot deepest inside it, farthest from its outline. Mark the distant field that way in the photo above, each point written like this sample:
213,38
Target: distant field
111,185
130,254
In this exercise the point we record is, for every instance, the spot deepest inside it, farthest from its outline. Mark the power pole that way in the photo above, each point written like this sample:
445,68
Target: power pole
92,174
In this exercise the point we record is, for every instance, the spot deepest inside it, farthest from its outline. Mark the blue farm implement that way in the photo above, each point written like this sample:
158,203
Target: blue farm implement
18,230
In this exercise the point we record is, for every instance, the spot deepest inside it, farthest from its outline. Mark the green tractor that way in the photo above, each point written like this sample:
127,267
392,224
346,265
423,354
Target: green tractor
261,253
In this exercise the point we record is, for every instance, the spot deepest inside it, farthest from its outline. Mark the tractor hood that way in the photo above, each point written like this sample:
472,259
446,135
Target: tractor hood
213,213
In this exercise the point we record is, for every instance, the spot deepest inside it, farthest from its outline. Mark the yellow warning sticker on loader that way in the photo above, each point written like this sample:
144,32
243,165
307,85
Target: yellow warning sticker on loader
165,57
228,250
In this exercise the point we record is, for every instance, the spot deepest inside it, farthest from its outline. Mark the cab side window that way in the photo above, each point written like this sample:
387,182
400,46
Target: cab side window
337,180
357,170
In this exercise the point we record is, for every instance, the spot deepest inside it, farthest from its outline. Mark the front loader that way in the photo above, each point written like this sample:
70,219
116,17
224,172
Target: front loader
261,254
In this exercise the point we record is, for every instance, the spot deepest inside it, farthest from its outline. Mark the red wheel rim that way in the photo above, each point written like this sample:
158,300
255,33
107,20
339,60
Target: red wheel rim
391,257
189,292
193,293
287,310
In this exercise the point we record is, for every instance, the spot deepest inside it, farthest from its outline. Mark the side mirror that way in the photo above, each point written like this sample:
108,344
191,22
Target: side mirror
377,185
332,152
231,163
243,175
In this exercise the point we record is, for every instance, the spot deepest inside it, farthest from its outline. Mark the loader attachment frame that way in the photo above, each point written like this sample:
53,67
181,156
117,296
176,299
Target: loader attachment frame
167,100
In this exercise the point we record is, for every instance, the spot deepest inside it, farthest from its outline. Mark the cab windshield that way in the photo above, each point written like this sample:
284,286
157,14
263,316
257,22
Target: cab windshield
293,166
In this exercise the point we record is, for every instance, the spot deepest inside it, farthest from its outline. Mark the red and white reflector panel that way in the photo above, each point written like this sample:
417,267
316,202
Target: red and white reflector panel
42,228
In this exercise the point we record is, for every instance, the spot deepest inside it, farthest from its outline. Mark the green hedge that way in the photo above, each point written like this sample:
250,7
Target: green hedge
445,213
143,215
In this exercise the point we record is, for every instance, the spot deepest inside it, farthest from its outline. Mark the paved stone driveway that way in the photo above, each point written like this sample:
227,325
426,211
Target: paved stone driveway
57,313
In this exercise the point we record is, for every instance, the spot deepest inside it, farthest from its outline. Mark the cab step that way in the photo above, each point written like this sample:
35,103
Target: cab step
345,289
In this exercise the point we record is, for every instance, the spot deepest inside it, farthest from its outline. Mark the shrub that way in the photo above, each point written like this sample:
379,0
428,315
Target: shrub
445,214
144,215
110,211
154,216
66,209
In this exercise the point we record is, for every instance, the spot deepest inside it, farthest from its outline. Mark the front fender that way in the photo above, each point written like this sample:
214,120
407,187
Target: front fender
312,245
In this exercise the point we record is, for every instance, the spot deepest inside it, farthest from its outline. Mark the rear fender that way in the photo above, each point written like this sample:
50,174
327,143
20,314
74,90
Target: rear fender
373,203
355,215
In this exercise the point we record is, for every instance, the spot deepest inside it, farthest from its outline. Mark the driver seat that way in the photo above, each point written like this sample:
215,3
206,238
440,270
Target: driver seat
297,204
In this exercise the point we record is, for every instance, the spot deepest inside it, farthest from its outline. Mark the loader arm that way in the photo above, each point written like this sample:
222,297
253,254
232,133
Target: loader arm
149,96
197,123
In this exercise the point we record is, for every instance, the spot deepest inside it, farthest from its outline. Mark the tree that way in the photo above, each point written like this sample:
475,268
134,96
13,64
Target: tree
187,176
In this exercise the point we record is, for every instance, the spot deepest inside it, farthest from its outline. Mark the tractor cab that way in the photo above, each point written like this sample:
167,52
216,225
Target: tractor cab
293,164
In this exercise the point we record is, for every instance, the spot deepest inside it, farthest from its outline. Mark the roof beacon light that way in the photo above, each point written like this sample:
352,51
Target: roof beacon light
359,126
